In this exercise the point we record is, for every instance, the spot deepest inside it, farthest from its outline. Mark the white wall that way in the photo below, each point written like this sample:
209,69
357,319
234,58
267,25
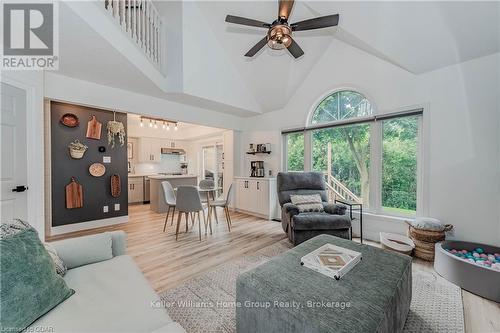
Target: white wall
63,88
195,153
210,74
461,131
272,162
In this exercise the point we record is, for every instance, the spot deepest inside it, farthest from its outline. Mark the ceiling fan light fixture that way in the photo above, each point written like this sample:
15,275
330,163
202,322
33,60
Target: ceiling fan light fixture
279,37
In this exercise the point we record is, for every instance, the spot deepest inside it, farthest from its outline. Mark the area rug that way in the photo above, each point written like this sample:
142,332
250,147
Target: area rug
206,303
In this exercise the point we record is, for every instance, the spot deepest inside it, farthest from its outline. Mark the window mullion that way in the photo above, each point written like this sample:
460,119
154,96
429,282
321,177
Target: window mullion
307,151
375,167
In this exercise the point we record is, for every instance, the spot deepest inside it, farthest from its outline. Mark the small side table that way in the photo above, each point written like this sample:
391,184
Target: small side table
354,207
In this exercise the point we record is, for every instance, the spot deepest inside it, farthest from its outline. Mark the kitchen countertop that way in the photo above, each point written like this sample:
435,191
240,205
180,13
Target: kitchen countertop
171,176
130,175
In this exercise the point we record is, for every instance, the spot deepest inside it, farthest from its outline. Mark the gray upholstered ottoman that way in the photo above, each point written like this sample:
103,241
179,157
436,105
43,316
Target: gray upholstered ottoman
283,296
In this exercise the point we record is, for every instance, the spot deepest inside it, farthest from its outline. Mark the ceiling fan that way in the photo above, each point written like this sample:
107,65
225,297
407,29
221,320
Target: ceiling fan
279,34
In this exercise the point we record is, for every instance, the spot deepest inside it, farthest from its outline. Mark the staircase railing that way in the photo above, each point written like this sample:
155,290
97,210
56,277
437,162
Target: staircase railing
142,22
335,186
337,189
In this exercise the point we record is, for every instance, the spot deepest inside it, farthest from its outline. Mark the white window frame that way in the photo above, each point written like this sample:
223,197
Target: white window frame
375,171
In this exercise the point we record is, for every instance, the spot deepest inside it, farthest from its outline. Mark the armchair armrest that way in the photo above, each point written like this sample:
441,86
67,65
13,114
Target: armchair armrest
290,209
334,209
86,250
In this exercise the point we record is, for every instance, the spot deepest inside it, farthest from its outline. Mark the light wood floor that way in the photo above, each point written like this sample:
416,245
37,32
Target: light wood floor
166,263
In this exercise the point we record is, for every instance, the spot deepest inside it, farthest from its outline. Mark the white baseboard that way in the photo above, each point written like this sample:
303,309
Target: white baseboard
64,229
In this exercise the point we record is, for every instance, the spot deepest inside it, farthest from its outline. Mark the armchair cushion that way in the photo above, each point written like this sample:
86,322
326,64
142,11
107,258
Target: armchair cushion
320,221
335,209
308,203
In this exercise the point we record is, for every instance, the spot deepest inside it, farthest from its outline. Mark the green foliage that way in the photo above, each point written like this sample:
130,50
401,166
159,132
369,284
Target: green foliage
350,162
399,166
296,152
351,159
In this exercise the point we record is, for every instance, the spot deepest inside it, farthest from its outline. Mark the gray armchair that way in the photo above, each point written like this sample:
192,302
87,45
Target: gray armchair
303,226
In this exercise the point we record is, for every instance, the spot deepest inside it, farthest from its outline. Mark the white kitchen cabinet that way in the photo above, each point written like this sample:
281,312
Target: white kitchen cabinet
135,189
257,196
150,150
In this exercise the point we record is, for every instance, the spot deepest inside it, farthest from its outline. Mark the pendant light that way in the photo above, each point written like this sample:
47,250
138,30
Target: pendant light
163,127
142,124
150,123
168,126
176,127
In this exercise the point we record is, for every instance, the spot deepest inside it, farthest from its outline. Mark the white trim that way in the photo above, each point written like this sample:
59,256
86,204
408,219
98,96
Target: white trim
63,229
34,139
375,168
336,90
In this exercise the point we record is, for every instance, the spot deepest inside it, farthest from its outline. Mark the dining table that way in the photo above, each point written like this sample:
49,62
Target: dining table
207,192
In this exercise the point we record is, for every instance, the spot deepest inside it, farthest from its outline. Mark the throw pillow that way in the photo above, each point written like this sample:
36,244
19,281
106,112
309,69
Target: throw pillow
29,284
60,267
308,203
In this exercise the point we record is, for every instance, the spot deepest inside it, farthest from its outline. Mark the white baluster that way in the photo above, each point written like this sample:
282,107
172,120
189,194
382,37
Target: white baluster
143,23
123,19
160,34
127,11
134,2
146,26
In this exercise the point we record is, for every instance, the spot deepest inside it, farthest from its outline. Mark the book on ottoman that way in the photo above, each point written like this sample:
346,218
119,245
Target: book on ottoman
330,260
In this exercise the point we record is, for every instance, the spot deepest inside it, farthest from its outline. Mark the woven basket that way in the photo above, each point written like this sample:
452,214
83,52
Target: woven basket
76,154
427,235
426,239
426,246
423,254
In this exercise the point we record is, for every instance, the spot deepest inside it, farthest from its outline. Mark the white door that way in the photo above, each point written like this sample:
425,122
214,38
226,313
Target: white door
13,154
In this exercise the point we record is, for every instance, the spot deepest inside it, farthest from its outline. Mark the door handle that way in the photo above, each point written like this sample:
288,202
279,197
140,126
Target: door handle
20,188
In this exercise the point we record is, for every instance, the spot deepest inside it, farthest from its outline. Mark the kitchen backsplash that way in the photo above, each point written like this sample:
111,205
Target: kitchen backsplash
169,164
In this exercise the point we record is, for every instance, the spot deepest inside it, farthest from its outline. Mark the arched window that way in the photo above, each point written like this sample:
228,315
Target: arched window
341,105
355,148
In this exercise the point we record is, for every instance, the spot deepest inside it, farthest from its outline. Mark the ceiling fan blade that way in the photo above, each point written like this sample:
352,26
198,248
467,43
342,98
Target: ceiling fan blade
256,47
316,23
295,49
285,7
246,21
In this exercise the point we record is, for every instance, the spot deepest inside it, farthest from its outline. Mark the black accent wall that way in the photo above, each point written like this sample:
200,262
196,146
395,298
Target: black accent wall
96,190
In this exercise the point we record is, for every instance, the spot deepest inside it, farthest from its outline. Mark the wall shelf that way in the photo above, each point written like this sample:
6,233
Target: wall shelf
258,152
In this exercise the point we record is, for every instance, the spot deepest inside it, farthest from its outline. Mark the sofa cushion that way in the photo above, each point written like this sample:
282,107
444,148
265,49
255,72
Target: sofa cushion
61,268
111,296
85,250
29,284
320,221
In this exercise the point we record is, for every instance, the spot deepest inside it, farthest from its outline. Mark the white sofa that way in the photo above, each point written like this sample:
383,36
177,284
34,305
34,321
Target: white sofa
111,293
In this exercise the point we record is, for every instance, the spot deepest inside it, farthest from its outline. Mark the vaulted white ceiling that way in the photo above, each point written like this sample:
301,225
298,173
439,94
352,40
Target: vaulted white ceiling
415,36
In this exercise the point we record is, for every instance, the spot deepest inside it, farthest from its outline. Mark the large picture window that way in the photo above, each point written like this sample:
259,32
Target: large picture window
295,151
399,165
366,158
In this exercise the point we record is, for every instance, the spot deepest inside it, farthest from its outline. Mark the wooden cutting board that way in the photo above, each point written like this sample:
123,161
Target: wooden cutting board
74,195
116,187
94,129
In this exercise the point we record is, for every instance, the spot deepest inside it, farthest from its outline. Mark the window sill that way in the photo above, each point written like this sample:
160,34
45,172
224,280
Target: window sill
383,217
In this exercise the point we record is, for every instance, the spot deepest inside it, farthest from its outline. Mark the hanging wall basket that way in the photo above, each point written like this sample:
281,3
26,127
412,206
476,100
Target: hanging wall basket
115,128
77,149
